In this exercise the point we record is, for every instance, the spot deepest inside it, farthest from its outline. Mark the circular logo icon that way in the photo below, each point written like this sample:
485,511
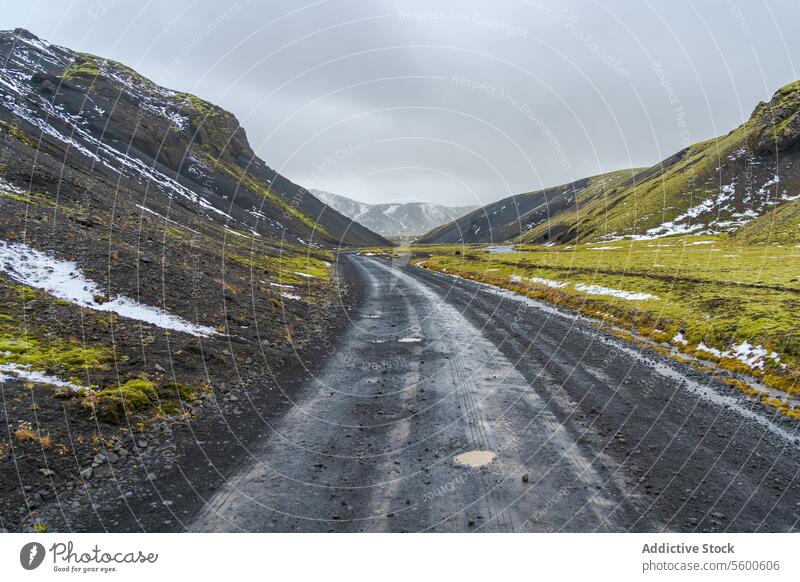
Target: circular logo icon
31,555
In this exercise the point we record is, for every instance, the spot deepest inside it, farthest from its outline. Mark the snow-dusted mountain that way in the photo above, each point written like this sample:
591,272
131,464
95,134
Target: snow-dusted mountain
394,220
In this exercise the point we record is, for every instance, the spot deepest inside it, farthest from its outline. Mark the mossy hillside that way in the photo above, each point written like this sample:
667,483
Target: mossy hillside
213,127
284,268
504,219
279,261
780,225
81,363
721,293
780,114
89,67
602,184
668,193
248,181
596,195
200,111
16,132
23,197
43,200
688,178
84,66
62,357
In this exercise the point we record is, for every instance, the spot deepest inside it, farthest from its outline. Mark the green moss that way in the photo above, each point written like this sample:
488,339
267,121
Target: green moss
137,392
24,345
134,395
16,132
177,391
57,356
285,268
84,66
780,225
25,198
245,179
140,395
198,108
29,197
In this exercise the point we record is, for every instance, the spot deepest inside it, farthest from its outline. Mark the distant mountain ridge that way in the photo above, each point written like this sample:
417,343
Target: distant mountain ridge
746,182
511,217
405,219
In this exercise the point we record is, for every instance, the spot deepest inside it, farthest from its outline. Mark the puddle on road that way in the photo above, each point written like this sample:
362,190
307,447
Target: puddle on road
475,458
409,340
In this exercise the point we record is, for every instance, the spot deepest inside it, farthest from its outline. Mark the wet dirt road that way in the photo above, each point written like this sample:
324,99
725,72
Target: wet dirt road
450,406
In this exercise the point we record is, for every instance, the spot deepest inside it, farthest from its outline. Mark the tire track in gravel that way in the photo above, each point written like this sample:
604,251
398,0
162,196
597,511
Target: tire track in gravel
607,439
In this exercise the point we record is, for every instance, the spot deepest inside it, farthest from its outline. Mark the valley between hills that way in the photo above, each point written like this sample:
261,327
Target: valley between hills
190,341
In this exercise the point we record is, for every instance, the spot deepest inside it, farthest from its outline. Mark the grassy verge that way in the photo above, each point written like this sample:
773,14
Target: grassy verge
715,298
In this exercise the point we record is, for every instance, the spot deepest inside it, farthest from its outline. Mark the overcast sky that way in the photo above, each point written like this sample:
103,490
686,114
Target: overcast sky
457,102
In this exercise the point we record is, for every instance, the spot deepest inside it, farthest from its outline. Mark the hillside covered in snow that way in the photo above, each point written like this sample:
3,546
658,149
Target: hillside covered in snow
406,219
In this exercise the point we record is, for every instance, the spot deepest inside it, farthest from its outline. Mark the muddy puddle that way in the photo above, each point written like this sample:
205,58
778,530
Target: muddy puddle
475,458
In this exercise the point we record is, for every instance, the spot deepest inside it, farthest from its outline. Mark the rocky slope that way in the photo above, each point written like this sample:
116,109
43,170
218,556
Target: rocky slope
151,269
747,182
406,219
90,112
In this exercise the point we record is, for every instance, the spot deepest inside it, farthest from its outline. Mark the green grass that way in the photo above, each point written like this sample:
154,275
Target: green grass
84,66
28,346
284,268
780,225
720,292
136,394
71,359
140,395
56,356
16,132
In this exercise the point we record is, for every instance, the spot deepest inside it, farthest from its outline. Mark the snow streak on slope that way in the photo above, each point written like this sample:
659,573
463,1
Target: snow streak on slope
64,280
395,219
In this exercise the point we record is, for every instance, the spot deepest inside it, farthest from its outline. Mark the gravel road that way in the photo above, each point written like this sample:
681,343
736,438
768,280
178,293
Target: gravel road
453,406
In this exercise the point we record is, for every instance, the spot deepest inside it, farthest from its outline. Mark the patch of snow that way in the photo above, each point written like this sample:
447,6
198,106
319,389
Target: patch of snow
627,295
548,282
679,338
23,371
8,187
410,340
65,280
290,296
752,356
306,275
